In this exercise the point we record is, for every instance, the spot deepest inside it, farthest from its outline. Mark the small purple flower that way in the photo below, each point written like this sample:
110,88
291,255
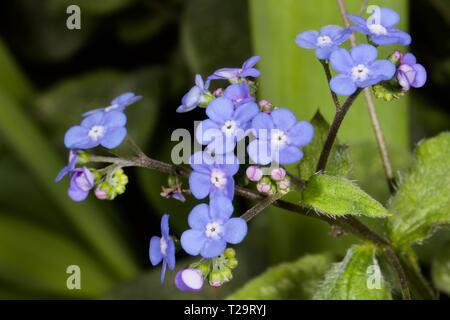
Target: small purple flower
380,27
189,280
101,128
239,93
247,70
212,176
118,104
195,96
212,228
410,73
226,125
359,68
81,182
73,159
325,41
163,248
279,137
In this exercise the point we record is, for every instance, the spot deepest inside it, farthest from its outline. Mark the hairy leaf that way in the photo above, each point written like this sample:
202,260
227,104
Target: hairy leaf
357,277
339,196
295,280
422,201
339,160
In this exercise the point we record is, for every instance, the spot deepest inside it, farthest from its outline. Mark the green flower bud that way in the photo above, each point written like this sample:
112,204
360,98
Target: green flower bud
388,91
227,275
83,157
230,253
215,279
232,263
113,185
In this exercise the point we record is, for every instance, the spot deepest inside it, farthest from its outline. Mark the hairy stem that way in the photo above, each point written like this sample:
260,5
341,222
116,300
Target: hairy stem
331,138
382,147
260,206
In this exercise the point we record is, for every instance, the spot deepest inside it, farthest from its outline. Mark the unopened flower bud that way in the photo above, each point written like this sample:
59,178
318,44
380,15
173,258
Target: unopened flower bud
204,268
265,186
396,57
232,263
215,279
82,157
230,253
266,106
227,275
278,174
254,173
189,280
218,92
101,194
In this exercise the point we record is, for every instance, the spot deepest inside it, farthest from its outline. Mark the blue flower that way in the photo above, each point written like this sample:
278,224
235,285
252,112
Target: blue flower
81,182
239,93
278,137
410,73
120,103
212,175
101,128
189,280
380,27
358,68
163,248
73,159
325,41
212,228
226,125
196,96
247,70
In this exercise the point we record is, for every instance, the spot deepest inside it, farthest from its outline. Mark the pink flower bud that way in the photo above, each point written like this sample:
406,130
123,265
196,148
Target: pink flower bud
254,173
266,106
284,184
278,174
264,187
218,92
101,194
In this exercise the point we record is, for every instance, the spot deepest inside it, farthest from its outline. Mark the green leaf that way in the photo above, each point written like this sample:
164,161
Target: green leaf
295,280
422,202
339,196
227,19
339,160
357,277
37,259
43,163
440,271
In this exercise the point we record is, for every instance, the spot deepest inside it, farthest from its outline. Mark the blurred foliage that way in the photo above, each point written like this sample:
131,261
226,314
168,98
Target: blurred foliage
50,75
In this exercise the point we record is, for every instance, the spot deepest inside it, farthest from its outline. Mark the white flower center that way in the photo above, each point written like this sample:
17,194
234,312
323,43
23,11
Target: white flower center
229,128
278,138
111,107
213,230
324,41
218,178
377,29
360,72
96,132
163,246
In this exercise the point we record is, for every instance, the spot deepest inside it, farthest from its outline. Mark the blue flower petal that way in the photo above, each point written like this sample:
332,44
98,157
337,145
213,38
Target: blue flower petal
213,248
165,226
200,162
114,137
154,252
246,112
388,17
325,53
92,120
220,110
260,152
193,241
343,85
77,194
421,76
301,134
200,184
252,72
307,39
199,217
220,209
332,31
341,61
383,69
77,138
163,271
235,230
290,154
170,254
357,19
364,54
207,131
251,62
114,119
409,58
283,119
262,124
403,38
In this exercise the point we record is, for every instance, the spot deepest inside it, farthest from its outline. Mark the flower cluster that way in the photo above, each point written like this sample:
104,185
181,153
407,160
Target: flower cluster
232,115
360,67
99,127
